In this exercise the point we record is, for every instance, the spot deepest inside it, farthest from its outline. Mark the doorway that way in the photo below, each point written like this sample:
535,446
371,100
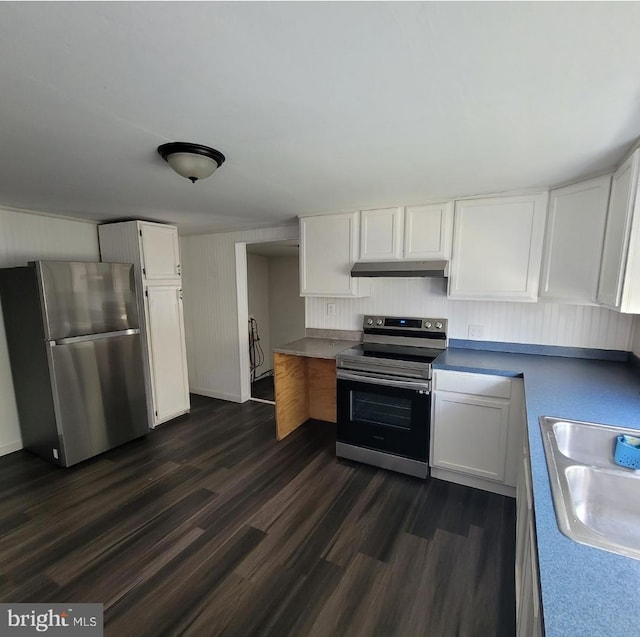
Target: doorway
275,309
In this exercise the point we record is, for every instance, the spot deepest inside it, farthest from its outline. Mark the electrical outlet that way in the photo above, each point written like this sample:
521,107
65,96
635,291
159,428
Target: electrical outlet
331,309
476,332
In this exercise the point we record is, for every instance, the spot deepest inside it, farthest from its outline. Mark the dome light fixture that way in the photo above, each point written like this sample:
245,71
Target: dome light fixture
192,161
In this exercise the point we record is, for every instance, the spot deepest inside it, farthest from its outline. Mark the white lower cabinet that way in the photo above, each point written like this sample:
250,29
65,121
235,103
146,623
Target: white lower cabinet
168,360
528,609
476,431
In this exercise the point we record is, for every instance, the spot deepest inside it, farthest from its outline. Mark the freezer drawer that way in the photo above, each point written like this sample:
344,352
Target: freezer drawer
99,395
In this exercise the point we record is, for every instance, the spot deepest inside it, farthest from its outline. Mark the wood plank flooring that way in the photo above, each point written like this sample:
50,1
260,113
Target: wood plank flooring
209,527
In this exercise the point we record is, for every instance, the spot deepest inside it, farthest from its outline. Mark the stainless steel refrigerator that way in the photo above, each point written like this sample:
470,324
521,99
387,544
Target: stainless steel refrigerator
74,344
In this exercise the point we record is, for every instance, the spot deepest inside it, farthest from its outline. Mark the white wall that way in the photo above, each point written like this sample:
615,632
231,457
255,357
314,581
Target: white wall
539,323
286,306
25,237
258,274
211,308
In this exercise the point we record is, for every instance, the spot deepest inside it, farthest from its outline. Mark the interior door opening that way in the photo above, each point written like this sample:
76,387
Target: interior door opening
275,309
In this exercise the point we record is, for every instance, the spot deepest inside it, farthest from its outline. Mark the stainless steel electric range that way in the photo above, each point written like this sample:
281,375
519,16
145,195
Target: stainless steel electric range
384,393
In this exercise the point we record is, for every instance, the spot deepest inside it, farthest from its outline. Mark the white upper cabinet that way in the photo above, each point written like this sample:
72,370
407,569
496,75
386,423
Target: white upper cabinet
160,251
619,286
411,233
497,248
328,250
153,249
573,241
427,231
381,234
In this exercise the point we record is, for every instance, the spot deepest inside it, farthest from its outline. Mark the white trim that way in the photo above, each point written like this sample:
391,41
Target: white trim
200,231
10,447
473,481
262,400
427,201
242,298
40,213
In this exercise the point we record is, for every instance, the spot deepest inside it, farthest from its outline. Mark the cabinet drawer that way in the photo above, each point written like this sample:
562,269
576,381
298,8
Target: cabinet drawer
476,384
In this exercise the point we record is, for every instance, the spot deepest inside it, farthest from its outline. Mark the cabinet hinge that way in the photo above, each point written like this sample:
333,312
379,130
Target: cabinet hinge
146,293
144,271
140,232
156,412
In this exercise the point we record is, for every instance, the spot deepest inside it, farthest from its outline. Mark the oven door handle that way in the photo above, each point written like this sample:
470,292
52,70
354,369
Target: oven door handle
382,380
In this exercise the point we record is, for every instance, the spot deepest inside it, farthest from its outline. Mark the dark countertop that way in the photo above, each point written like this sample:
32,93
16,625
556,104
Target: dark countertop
586,592
313,347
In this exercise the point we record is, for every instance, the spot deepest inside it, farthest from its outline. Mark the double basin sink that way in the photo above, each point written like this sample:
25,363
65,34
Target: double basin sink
597,502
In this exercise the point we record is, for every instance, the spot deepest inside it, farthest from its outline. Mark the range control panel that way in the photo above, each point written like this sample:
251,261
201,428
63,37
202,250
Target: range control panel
398,324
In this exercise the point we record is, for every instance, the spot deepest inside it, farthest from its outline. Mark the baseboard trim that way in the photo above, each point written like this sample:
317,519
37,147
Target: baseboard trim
234,398
10,447
470,481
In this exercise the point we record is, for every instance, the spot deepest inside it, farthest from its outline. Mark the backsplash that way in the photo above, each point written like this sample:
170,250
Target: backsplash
539,323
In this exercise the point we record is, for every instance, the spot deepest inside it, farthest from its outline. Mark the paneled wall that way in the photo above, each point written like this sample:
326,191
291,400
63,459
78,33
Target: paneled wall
211,308
258,275
286,306
540,323
27,237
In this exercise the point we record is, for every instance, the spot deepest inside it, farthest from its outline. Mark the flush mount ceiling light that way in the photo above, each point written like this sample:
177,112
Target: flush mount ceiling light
192,161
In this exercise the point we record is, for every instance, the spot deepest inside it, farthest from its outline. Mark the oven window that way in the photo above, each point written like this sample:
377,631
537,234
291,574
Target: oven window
378,409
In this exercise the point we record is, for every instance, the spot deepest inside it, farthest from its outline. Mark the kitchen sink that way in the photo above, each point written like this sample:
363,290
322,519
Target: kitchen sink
586,443
597,502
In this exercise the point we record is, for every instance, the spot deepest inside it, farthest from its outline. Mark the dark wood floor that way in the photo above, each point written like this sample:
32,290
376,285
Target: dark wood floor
208,526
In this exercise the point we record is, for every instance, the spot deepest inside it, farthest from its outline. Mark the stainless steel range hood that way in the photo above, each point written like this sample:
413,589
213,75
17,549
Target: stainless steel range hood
401,269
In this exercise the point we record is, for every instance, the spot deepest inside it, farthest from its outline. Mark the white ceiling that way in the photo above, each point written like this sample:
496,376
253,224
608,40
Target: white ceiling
317,106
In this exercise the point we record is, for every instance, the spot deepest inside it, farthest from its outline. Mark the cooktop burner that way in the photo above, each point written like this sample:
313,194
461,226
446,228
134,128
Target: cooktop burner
394,352
397,346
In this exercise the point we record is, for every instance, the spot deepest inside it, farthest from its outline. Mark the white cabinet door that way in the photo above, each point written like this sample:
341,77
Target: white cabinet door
618,238
160,251
427,231
573,241
165,328
328,249
497,248
528,608
381,234
470,435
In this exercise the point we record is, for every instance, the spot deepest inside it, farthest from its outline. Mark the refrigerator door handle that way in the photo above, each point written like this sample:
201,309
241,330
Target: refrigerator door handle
93,337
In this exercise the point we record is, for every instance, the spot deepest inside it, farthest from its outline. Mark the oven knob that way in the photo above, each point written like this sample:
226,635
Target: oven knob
369,321
427,325
379,322
438,325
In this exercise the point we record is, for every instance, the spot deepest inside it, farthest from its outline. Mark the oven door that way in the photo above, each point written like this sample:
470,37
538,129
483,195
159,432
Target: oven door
384,414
